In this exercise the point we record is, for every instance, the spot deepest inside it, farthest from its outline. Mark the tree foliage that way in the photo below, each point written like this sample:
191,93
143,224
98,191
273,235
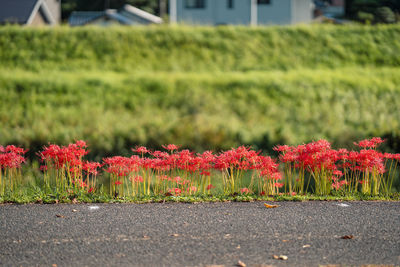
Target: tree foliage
383,11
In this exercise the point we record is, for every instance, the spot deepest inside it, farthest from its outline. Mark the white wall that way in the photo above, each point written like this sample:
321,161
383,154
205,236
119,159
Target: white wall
216,12
302,11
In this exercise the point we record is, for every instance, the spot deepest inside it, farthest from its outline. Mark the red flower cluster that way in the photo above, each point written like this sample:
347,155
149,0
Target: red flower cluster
64,156
11,157
242,170
68,161
319,158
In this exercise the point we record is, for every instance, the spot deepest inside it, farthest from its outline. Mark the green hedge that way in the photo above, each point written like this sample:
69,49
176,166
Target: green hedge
199,48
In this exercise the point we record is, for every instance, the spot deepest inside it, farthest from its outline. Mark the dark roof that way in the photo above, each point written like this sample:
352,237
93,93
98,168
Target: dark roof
127,15
16,11
83,17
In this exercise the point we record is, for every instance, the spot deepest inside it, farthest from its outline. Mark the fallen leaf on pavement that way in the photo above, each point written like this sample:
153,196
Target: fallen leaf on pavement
74,210
270,206
280,257
59,216
306,246
241,264
175,235
347,237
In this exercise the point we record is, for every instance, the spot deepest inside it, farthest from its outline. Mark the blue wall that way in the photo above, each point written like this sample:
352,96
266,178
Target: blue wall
216,12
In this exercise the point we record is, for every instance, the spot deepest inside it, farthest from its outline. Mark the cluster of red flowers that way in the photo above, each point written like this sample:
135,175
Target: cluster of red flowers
317,157
201,165
68,158
68,162
176,171
11,157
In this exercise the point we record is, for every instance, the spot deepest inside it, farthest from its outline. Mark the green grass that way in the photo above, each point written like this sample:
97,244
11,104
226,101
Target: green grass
187,48
39,197
115,111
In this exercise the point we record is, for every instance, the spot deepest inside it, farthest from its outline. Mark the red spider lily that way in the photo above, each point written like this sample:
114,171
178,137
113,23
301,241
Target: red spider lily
242,158
244,190
61,156
210,186
14,149
118,182
160,154
138,179
91,167
205,173
120,166
141,150
171,147
178,180
11,157
282,148
192,189
206,161
190,172
176,191
337,185
370,143
392,156
163,178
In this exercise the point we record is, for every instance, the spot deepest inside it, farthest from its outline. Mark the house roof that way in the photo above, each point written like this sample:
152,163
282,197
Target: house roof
127,15
83,17
23,11
16,11
143,14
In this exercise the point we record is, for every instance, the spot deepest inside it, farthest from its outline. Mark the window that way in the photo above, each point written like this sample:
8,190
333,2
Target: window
263,2
195,3
230,4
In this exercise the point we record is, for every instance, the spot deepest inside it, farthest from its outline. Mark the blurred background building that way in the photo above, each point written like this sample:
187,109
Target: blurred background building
256,12
127,15
30,12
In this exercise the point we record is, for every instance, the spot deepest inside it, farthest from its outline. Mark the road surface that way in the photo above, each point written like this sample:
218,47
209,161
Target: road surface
177,234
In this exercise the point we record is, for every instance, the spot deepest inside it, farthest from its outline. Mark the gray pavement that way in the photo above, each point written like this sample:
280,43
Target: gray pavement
177,234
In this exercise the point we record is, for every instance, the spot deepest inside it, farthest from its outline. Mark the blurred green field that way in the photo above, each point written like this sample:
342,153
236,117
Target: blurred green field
114,111
186,48
200,87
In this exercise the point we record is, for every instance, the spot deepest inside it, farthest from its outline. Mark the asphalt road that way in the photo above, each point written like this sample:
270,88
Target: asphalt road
176,234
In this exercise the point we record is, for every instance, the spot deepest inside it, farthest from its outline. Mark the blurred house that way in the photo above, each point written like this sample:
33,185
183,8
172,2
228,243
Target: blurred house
217,12
30,12
127,15
329,8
